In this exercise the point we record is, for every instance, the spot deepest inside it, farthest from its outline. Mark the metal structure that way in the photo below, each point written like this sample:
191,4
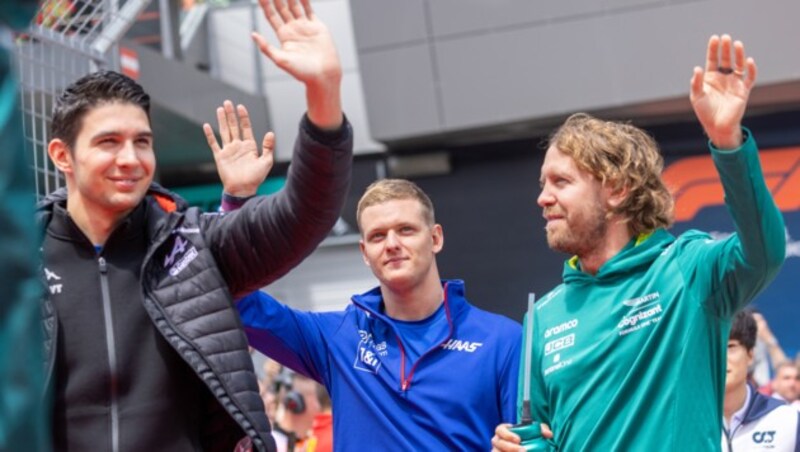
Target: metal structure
67,39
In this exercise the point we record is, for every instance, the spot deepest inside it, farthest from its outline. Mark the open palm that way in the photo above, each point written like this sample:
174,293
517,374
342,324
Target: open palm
306,51
242,169
719,93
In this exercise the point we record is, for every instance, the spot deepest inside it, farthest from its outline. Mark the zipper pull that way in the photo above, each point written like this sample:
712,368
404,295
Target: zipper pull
102,263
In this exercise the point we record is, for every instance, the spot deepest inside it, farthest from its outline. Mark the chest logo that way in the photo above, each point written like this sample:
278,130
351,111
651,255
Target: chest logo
182,254
52,276
368,353
765,437
461,346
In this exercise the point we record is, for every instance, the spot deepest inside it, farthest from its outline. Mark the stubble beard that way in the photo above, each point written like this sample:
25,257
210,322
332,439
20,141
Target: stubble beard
579,240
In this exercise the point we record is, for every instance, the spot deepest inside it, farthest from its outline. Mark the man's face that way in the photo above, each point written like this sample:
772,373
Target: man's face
398,244
112,162
787,383
739,360
573,203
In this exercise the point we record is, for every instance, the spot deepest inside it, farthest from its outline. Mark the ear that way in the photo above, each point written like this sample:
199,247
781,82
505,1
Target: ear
60,155
437,234
750,358
615,197
363,253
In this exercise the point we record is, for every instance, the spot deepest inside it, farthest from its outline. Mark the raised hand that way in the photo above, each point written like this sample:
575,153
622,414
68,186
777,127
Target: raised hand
307,53
240,166
719,92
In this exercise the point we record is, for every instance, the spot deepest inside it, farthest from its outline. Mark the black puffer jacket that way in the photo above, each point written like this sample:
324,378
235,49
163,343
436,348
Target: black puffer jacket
196,264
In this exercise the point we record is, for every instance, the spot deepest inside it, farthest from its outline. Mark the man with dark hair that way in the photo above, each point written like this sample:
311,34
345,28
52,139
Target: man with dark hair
753,421
144,349
628,353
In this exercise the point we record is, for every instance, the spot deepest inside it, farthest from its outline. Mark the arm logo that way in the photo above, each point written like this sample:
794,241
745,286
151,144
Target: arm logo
695,183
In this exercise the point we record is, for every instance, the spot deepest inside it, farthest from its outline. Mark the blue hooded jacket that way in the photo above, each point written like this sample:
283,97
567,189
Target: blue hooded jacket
451,398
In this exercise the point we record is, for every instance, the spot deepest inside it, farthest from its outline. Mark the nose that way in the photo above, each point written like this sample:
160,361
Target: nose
545,198
392,241
127,155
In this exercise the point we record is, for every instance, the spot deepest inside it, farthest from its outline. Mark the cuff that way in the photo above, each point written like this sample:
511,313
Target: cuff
231,203
747,137
326,136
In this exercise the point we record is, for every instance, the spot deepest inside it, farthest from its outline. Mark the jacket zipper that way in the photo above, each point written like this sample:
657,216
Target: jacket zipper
405,382
112,354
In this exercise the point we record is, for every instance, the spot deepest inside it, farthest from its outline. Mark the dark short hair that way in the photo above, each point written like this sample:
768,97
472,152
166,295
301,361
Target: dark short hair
744,329
88,92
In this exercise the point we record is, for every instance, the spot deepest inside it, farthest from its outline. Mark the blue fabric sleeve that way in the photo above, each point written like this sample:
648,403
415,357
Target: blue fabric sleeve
294,338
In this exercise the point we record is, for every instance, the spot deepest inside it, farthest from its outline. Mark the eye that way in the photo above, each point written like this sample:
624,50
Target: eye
376,237
144,141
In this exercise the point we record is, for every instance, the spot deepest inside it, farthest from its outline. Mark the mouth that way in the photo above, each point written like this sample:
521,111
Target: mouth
395,260
125,183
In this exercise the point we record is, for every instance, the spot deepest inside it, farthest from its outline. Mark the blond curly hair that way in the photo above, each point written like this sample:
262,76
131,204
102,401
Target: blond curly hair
620,156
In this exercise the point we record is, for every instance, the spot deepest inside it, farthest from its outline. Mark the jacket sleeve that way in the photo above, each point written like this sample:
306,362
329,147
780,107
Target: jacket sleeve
509,377
741,265
294,338
270,235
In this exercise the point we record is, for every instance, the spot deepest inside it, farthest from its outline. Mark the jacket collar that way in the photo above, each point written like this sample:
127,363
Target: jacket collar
640,252
165,200
760,405
372,300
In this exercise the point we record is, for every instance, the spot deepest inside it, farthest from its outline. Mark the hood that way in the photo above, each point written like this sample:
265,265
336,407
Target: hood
639,253
165,198
372,300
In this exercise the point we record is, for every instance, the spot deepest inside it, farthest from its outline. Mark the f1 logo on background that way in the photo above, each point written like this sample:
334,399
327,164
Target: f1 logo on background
695,184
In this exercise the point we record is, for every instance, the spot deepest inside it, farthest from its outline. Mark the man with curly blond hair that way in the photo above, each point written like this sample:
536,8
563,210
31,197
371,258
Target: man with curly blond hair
628,353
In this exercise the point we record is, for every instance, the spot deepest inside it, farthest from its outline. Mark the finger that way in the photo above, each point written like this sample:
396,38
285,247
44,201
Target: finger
738,57
307,7
266,48
233,124
752,71
283,10
244,122
546,432
712,55
725,52
270,14
296,9
501,445
268,145
211,139
696,83
503,431
224,132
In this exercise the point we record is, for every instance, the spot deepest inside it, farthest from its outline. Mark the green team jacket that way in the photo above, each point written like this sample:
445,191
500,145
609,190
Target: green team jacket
634,357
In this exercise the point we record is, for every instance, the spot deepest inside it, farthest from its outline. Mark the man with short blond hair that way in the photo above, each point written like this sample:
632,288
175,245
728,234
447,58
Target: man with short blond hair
410,365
